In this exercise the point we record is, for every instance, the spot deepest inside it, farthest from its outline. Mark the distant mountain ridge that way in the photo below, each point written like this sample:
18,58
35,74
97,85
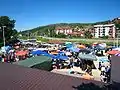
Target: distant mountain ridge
51,27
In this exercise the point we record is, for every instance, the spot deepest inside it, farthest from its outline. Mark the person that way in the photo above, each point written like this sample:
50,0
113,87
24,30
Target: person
89,70
78,62
108,71
103,70
108,56
0,58
102,53
71,62
99,65
103,78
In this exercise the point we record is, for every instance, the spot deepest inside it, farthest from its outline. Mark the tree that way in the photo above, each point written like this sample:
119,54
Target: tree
9,30
61,35
88,34
105,37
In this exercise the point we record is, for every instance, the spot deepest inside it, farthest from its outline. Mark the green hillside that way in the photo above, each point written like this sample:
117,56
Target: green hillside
49,30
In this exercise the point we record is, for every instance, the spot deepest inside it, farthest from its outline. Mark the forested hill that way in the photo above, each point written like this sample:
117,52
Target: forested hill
50,28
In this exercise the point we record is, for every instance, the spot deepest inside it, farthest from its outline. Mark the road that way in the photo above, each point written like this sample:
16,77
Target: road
89,40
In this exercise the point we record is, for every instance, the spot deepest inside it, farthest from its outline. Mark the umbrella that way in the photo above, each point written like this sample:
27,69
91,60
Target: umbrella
118,54
113,52
85,51
81,46
42,49
87,57
73,49
104,59
117,49
54,53
98,47
68,43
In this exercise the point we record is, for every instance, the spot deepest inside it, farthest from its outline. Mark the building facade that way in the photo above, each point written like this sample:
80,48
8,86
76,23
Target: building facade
104,30
65,30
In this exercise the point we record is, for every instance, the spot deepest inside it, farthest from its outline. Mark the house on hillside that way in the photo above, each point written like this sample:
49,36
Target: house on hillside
63,29
67,30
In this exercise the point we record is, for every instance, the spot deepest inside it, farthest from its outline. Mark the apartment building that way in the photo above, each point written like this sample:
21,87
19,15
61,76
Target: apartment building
104,30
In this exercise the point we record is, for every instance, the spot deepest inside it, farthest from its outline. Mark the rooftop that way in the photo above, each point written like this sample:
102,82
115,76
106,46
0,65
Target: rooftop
104,25
15,77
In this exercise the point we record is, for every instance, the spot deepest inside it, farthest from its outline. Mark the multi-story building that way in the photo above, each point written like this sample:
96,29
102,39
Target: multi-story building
104,30
65,30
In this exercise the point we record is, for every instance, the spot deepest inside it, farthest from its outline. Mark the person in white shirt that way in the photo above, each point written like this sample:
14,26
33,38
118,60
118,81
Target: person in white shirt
103,70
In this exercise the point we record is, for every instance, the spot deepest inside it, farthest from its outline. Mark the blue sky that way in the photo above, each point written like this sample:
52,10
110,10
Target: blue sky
32,13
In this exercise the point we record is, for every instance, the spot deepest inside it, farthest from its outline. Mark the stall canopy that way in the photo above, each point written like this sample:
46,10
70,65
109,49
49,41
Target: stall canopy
32,61
87,57
113,52
21,53
61,53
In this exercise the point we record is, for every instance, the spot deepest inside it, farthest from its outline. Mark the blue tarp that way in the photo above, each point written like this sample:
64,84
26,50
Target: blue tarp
60,57
61,53
39,52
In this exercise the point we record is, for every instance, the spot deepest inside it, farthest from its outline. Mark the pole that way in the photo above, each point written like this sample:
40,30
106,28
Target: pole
114,41
117,37
117,41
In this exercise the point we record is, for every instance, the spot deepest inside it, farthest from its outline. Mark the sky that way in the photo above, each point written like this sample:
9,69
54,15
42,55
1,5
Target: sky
33,13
